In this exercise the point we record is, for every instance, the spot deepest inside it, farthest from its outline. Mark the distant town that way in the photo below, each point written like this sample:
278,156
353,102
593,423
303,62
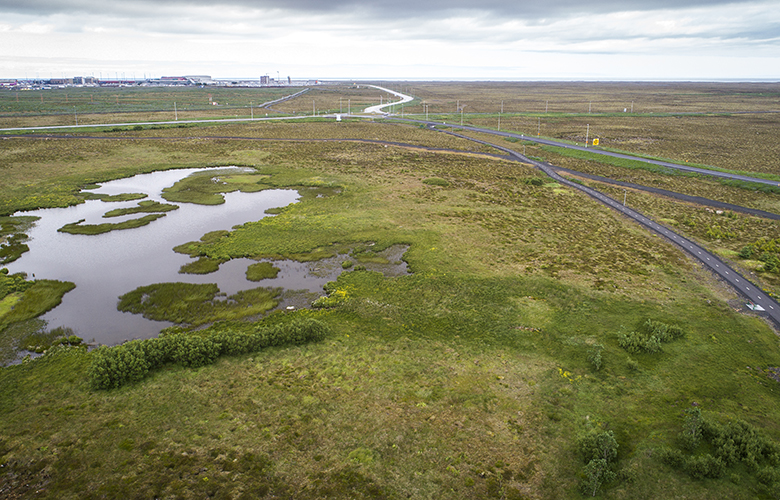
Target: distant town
165,81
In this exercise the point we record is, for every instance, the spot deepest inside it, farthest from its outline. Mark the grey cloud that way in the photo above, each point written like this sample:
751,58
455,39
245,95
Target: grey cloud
371,8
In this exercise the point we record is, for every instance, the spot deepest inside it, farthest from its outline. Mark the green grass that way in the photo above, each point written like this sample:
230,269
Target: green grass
640,165
144,207
203,265
207,188
194,304
92,229
12,237
22,301
261,271
111,198
469,378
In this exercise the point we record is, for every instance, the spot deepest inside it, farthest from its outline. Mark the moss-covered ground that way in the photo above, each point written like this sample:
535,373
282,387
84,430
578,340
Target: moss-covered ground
473,377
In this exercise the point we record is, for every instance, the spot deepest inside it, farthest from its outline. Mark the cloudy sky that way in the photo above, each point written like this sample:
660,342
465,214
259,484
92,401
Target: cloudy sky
397,39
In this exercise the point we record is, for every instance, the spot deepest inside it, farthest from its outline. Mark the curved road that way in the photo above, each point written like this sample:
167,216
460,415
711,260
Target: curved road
378,108
741,284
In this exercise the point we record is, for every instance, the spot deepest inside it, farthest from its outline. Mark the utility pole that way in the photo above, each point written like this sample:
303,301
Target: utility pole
252,109
77,116
349,106
589,107
587,131
175,112
538,125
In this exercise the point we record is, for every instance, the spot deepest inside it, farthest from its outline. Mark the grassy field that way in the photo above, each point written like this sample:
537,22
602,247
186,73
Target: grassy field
473,377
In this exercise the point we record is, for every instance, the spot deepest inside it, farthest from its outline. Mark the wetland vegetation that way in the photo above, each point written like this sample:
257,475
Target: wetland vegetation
515,361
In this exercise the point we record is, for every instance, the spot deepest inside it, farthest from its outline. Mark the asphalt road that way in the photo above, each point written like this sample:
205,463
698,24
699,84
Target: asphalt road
548,142
741,284
378,108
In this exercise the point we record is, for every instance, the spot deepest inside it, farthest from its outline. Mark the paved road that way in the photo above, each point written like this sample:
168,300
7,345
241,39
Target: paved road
548,142
741,284
672,194
378,108
175,122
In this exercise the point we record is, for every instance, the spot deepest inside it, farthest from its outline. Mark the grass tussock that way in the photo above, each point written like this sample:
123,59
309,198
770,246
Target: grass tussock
196,304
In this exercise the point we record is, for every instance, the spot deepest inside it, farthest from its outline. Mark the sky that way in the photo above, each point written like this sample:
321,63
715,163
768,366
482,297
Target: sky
393,40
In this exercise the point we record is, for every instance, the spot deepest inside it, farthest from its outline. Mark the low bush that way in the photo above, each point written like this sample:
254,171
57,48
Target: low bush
599,452
116,366
192,350
705,466
594,356
733,444
649,338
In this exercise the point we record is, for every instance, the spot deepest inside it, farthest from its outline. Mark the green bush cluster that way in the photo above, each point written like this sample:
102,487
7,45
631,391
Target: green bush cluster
599,452
116,366
715,232
594,356
733,444
649,338
10,283
767,250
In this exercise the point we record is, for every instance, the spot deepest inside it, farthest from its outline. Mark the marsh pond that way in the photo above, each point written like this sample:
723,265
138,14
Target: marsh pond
111,248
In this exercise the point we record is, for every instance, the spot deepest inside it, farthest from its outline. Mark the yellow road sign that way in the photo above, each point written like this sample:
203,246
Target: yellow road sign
595,142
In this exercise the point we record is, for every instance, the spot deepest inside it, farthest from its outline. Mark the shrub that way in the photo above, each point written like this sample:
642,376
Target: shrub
691,433
596,473
672,457
649,339
705,466
116,366
232,343
594,356
192,350
599,445
130,362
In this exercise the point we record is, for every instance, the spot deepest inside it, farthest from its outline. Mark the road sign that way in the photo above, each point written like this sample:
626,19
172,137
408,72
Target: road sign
595,142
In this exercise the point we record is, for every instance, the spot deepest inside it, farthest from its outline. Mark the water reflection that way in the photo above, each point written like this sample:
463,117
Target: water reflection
105,266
